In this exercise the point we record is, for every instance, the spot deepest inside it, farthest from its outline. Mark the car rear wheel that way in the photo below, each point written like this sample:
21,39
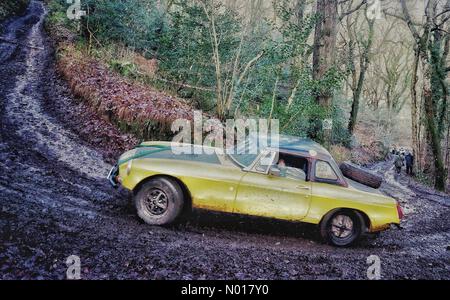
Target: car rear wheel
342,228
159,201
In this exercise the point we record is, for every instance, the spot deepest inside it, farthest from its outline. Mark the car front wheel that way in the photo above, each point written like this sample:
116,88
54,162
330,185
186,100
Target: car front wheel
159,201
342,228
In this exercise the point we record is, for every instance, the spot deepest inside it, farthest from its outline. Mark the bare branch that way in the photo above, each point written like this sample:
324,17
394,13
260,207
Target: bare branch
442,12
408,21
349,12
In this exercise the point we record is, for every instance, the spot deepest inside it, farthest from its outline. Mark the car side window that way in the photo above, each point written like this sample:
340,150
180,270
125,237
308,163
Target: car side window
325,171
292,166
265,162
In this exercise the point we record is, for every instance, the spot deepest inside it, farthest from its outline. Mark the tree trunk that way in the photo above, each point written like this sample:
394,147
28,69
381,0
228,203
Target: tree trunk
364,64
217,63
443,115
324,51
324,44
423,46
355,102
414,116
447,158
435,143
299,11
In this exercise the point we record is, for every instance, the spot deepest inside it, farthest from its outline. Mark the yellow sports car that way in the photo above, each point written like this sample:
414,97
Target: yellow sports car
297,181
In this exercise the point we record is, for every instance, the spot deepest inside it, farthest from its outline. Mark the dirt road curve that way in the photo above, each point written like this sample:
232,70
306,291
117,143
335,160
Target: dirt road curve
55,202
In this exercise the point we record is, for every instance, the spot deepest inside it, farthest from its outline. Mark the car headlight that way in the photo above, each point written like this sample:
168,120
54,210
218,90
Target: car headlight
129,167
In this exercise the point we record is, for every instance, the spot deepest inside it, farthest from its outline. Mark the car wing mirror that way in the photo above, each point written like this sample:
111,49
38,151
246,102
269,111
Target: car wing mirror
274,171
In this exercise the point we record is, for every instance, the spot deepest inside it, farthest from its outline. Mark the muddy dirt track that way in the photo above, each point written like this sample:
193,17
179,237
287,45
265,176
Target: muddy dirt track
55,201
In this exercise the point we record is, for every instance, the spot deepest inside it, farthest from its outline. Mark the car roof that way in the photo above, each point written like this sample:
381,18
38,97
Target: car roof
300,145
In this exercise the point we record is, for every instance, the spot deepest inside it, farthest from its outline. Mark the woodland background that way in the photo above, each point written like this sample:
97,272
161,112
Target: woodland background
378,69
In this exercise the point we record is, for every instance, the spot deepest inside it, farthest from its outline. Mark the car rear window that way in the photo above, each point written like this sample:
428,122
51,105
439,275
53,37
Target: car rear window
325,171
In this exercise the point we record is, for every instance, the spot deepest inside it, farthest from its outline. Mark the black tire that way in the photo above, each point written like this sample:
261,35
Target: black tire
360,175
159,201
338,236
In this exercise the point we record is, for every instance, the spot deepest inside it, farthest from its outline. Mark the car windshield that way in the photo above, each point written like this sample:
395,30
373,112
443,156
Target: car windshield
244,154
244,160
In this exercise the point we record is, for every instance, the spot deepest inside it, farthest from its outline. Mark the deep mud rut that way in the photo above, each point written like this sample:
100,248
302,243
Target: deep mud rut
55,202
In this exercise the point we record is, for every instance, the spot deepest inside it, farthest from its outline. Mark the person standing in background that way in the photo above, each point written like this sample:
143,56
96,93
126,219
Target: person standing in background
398,162
409,160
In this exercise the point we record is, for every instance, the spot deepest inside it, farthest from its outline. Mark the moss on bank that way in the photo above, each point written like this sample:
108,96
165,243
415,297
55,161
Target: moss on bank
130,104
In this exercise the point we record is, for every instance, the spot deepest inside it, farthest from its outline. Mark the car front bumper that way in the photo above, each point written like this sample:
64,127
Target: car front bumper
112,176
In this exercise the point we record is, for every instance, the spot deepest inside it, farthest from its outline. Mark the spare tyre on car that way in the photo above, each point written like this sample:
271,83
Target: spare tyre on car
360,175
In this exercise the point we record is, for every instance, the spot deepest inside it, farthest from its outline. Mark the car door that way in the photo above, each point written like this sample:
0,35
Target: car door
262,194
213,187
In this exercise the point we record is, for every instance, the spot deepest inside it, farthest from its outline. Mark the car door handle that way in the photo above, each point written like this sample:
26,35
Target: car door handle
302,187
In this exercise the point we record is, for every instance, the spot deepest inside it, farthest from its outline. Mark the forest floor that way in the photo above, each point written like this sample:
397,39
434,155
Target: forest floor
55,201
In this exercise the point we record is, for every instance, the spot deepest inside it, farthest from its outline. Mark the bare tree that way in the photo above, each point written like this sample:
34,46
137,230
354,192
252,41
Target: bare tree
425,43
324,50
324,43
364,46
394,71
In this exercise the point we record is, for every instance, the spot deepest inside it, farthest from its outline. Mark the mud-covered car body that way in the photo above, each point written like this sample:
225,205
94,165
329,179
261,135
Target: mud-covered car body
242,185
